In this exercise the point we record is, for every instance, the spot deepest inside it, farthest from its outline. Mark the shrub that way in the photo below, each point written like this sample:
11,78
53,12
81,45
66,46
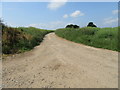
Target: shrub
16,40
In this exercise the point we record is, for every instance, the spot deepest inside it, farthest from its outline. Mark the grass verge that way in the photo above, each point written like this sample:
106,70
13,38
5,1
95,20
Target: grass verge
106,38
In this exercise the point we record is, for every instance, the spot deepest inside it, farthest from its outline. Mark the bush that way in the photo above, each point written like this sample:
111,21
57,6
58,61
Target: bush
16,40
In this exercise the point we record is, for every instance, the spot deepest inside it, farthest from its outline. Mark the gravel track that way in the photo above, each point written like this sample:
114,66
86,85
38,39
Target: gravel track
58,63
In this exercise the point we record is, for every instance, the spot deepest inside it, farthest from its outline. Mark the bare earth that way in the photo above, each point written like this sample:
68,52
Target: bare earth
58,63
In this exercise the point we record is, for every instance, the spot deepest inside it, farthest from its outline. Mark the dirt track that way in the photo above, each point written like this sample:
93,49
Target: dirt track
58,63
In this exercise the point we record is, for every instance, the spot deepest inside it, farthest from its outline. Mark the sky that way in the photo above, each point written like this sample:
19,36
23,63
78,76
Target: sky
54,15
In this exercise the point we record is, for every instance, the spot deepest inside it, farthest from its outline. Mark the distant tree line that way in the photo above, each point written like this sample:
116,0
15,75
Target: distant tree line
90,24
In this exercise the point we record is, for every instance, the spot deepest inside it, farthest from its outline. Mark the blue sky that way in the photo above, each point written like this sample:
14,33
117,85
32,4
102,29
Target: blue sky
53,15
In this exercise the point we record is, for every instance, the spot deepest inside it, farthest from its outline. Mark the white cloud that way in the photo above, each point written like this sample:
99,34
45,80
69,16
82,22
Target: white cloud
65,16
110,20
77,13
49,25
115,11
55,4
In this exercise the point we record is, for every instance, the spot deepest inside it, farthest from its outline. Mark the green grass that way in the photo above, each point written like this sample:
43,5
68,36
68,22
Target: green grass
106,38
17,40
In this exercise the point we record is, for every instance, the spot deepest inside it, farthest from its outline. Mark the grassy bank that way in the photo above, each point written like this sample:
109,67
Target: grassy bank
98,37
17,40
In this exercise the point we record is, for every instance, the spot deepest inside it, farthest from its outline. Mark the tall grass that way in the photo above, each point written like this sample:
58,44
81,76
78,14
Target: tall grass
16,40
98,37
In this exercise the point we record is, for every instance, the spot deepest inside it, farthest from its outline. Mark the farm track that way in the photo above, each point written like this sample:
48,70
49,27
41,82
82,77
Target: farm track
58,63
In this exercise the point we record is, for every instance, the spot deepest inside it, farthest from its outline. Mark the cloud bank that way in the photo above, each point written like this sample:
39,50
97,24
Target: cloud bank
110,20
50,25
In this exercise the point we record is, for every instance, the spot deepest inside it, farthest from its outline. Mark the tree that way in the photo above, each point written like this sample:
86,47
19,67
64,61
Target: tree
69,26
76,26
90,24
72,26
